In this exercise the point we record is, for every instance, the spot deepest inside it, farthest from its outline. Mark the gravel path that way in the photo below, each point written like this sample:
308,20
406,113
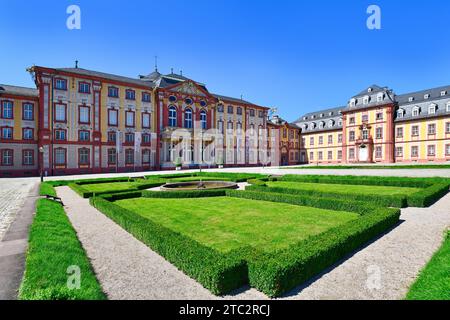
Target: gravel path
13,193
384,269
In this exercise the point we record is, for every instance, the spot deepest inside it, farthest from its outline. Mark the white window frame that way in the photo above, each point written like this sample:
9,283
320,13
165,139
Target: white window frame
115,117
432,109
85,113
416,111
28,111
60,112
146,120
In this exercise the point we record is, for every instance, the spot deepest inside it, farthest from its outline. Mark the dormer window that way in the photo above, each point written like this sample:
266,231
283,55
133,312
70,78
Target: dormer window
443,93
330,123
353,102
448,107
330,114
380,97
313,125
305,126
369,90
432,109
411,99
321,124
400,113
416,111
366,100
304,118
427,96
340,122
321,115
313,116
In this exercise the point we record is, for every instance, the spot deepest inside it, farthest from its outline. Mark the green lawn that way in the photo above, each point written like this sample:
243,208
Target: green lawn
434,281
112,186
344,188
418,166
53,248
227,223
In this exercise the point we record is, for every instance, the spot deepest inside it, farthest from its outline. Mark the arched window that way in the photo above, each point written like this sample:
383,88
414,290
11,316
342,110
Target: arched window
172,116
415,111
188,118
203,119
400,113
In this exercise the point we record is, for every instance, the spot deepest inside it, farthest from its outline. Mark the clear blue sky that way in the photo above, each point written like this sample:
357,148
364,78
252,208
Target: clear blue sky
296,55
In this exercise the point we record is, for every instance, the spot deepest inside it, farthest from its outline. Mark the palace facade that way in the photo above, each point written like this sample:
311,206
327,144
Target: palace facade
378,126
83,121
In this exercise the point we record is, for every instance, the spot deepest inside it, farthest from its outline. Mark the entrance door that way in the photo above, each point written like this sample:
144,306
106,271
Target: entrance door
363,153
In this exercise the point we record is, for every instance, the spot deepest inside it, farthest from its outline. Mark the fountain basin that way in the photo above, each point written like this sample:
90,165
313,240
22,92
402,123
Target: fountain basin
199,185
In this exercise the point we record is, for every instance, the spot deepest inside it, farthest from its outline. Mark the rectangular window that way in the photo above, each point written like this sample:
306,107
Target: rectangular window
339,155
7,133
311,141
351,153
399,132
220,126
352,120
129,137
379,133
365,134
351,136
146,120
112,136
365,117
252,112
60,84
112,156
146,138
230,109
414,151
340,138
113,117
84,135
60,112
378,152
447,127
321,140
130,94
60,135
379,116
415,131
83,156
239,110
27,134
432,128
311,156
7,110
146,97
330,139
7,157
129,118
84,87
146,156
330,155
431,150
447,149
28,157
113,92
27,111
60,156
261,114
84,114
129,156
320,155
399,152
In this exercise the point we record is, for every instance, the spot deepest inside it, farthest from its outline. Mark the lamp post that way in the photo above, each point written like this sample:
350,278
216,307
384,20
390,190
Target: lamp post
41,152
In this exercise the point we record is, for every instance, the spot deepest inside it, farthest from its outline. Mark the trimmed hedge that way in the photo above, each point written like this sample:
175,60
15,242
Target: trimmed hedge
185,194
308,201
277,273
220,273
397,201
83,192
428,196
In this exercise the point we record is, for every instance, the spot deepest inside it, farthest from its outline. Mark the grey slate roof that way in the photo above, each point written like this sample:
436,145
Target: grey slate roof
15,90
321,116
375,89
109,76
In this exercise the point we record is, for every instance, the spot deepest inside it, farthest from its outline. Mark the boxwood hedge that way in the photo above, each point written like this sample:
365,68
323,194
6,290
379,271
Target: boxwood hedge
83,192
273,273
220,273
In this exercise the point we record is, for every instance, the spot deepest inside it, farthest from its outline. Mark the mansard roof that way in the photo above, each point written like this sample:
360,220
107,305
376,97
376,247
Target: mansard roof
419,96
310,122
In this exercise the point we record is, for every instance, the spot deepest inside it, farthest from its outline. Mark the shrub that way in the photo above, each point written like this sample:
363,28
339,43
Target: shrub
83,192
185,194
220,273
398,201
428,196
53,247
277,273
257,182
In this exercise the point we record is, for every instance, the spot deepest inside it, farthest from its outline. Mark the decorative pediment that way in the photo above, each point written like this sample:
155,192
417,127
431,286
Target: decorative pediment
189,88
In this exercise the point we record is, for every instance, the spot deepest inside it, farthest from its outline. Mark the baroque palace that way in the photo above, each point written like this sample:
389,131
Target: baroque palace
82,121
